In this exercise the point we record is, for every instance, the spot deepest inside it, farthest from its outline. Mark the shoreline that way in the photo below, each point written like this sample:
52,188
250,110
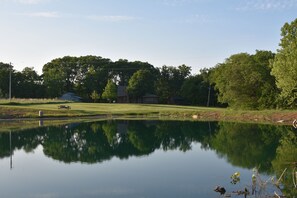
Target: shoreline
274,119
85,111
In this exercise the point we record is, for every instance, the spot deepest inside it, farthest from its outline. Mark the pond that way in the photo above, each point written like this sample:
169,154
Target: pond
147,159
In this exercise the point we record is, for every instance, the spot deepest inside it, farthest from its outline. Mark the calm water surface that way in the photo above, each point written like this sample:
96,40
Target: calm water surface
141,159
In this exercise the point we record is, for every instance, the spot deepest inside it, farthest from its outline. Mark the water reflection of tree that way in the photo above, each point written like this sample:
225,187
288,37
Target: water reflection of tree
77,144
270,148
142,137
4,145
99,141
180,135
286,159
26,140
247,145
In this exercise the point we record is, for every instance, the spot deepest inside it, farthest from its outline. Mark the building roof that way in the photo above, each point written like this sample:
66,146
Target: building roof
150,96
70,96
121,91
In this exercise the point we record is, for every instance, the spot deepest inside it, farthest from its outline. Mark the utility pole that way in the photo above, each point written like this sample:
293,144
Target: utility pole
10,150
208,98
10,82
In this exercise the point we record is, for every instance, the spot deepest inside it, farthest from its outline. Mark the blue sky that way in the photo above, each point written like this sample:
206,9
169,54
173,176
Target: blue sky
198,33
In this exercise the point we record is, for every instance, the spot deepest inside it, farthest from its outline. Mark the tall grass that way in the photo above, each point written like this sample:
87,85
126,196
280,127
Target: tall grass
31,101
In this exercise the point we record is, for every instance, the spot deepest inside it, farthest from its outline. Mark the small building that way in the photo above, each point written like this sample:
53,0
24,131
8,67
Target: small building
177,100
150,99
70,97
122,95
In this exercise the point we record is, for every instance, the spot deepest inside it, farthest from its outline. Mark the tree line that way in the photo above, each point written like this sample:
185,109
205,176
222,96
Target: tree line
97,78
249,81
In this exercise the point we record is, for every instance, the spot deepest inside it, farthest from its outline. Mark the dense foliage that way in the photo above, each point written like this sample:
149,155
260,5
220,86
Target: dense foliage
284,66
244,80
170,81
110,91
250,81
140,83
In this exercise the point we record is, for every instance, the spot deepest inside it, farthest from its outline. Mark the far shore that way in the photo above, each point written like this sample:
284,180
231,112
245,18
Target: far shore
50,111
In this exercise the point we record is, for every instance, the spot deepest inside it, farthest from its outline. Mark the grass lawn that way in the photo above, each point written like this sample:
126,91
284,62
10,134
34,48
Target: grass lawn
18,108
51,109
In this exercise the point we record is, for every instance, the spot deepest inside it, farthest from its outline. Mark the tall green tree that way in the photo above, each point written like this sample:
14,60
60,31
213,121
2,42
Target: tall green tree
95,96
110,91
4,78
67,68
82,75
140,83
28,84
54,81
59,75
284,66
170,81
268,93
93,74
25,84
123,70
197,90
244,81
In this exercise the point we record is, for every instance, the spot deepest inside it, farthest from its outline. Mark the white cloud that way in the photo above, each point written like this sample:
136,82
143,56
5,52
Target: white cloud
197,18
268,5
179,2
111,18
30,1
42,14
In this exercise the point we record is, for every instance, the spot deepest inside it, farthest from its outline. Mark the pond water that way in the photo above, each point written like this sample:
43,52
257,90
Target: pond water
143,159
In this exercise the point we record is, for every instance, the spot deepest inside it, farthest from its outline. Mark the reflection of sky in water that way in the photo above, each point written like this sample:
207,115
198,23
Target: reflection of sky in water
160,174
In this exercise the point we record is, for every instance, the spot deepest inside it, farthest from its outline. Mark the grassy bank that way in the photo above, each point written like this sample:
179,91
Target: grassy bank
27,109
22,110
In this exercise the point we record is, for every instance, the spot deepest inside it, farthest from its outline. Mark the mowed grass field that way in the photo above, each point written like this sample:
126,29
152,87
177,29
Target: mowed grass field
29,108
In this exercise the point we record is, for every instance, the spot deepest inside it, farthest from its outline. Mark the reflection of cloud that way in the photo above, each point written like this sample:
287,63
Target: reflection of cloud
267,4
111,18
43,14
48,195
116,191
